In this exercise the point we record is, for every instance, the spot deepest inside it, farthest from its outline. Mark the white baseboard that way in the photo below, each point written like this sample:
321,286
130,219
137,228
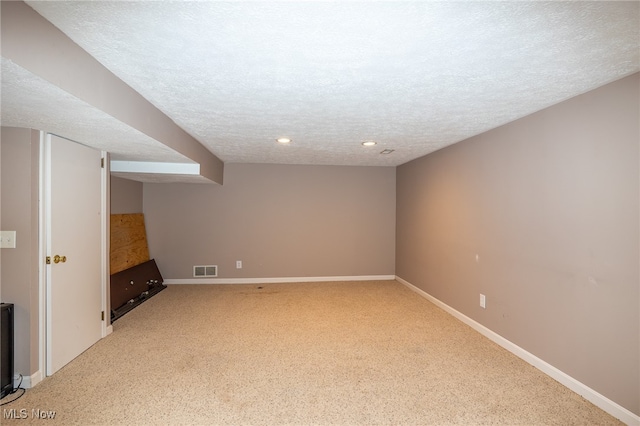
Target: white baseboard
27,381
581,389
278,280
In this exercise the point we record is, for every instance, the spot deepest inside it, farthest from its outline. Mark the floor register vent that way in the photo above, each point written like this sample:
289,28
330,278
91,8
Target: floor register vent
205,271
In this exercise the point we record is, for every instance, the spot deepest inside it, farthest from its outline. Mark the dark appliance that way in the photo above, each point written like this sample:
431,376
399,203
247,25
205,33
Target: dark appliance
6,350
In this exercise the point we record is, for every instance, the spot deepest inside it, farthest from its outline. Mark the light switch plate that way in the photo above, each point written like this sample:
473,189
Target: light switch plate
7,239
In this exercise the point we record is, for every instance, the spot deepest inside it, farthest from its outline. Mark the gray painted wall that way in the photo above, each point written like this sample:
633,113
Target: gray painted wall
280,220
19,151
126,196
550,205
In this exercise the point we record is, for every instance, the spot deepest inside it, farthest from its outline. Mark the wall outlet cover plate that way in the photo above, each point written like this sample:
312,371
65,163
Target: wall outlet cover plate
7,239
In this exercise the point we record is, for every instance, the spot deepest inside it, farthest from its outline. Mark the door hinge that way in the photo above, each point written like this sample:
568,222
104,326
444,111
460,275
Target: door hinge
48,260
102,162
102,315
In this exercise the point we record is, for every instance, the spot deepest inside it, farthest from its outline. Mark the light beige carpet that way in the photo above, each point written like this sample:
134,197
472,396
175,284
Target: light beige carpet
345,353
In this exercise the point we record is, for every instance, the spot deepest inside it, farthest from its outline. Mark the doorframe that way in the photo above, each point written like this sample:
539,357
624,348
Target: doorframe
44,195
105,214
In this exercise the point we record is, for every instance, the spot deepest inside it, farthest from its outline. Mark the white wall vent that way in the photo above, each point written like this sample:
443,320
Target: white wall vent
205,271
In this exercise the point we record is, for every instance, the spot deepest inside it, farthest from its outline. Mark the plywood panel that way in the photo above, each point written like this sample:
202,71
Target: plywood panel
128,241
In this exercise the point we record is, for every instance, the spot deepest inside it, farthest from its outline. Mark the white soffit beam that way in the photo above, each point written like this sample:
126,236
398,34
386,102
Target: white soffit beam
163,178
155,168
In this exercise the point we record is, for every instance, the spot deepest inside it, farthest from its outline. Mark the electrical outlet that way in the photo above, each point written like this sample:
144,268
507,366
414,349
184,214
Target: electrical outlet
238,264
483,301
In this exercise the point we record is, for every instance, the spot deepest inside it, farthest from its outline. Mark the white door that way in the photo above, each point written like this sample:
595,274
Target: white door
73,243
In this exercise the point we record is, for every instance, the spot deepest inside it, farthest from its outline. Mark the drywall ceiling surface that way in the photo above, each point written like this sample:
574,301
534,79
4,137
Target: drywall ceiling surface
31,102
412,76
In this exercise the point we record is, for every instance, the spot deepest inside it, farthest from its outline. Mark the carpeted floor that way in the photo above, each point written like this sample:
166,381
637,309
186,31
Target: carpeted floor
337,353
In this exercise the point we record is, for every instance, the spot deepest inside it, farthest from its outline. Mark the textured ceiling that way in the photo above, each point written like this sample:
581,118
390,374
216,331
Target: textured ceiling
27,102
413,76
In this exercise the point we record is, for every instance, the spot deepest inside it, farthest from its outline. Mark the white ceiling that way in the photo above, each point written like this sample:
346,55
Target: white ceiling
27,102
413,76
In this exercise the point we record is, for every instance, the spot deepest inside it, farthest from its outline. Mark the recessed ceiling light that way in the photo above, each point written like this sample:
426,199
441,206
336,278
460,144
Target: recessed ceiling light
283,140
368,143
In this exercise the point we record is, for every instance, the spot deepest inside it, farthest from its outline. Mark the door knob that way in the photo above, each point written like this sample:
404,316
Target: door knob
58,259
